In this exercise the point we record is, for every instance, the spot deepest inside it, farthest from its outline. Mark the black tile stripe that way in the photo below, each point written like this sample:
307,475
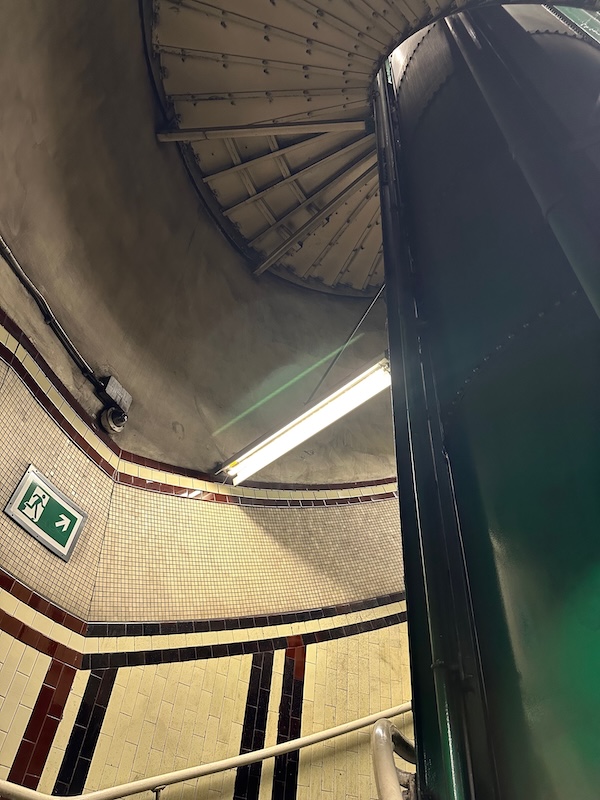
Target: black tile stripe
247,779
96,661
84,736
96,629
285,774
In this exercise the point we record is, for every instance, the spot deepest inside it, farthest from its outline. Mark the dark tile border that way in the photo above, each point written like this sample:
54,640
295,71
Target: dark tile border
77,759
45,718
102,629
96,661
67,656
96,629
247,779
39,603
43,644
289,726
6,355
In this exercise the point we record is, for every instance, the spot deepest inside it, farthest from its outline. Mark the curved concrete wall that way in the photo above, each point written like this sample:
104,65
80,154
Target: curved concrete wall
179,547
106,222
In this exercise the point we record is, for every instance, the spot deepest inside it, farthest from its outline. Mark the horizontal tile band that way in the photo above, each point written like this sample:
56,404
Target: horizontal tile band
101,629
66,655
39,641
30,598
203,652
243,500
117,629
15,362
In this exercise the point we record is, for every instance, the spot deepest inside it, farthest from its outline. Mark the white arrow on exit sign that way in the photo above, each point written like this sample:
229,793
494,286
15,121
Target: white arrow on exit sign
63,522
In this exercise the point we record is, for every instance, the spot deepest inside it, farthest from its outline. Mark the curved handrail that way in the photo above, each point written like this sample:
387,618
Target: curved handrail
386,740
13,791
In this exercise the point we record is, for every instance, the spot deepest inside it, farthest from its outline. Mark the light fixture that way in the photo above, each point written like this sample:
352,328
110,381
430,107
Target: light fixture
341,402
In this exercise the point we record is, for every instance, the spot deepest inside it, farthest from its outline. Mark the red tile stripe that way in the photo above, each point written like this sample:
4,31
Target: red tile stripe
165,488
297,651
43,723
32,638
39,603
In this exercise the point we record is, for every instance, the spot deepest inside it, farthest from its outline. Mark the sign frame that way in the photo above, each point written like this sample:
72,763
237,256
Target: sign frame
33,475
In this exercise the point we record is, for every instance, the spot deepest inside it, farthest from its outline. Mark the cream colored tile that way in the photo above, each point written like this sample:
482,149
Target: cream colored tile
50,772
9,604
138,718
41,623
134,678
27,662
20,352
148,674
162,725
126,762
60,634
113,710
144,742
54,397
36,678
99,761
109,776
5,644
43,382
11,343
14,735
13,700
11,663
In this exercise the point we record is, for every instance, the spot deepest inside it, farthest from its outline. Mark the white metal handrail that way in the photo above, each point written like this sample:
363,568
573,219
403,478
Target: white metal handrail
12,791
391,782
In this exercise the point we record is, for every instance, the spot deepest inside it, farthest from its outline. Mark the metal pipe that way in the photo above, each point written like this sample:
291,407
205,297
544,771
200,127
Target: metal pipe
49,316
12,791
346,343
386,740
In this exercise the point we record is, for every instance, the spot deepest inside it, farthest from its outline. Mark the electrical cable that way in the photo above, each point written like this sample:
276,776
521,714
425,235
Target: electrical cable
346,343
49,316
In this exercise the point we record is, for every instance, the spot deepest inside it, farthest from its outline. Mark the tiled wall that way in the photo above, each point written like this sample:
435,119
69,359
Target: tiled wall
347,679
161,545
142,707
194,621
29,435
21,679
248,560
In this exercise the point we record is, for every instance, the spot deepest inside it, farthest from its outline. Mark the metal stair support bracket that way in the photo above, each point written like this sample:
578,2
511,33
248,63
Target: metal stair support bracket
312,223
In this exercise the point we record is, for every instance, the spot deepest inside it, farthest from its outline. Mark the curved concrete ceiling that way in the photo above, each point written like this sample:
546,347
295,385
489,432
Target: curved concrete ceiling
269,102
107,224
270,105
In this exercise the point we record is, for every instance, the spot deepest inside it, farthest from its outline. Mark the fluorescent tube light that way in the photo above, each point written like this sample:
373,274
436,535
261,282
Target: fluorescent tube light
350,396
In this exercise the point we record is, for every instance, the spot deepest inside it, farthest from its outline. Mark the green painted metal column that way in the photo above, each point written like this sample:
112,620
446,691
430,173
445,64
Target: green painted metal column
508,348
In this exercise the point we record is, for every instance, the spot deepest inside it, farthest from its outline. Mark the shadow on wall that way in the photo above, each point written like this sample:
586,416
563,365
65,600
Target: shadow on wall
107,224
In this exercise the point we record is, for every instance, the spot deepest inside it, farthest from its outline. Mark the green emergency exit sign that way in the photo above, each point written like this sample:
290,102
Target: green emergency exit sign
46,513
